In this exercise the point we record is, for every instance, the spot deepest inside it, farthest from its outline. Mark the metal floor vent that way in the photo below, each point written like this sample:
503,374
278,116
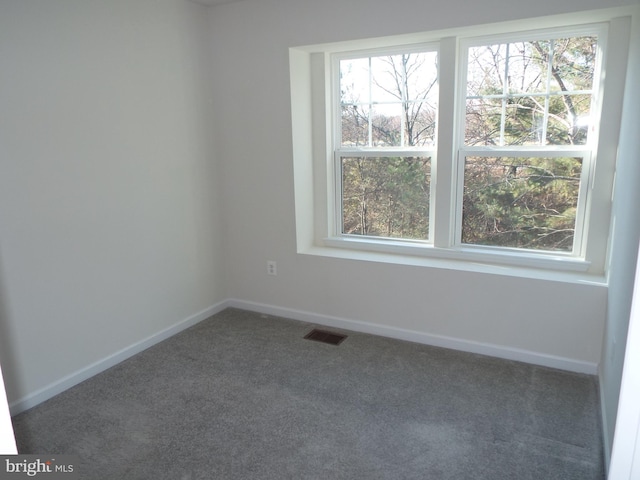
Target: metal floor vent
325,337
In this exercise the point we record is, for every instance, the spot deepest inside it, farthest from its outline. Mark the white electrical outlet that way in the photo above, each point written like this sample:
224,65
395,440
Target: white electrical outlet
272,267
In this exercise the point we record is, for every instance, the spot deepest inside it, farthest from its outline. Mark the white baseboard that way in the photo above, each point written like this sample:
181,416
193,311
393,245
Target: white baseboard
607,441
72,379
499,351
58,386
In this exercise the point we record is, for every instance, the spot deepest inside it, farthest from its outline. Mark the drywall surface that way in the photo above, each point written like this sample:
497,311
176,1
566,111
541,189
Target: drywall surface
624,244
251,42
109,198
7,439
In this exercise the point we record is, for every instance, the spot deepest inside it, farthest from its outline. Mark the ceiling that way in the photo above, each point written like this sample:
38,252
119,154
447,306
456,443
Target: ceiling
214,2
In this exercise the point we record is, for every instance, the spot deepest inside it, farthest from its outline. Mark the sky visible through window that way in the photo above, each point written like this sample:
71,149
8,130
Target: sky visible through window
517,95
389,100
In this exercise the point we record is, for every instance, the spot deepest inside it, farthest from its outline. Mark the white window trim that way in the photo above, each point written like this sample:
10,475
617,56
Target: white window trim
314,159
339,151
584,192
587,152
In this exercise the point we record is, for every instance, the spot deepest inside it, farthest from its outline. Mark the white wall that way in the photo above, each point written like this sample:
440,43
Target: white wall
112,222
624,246
109,197
7,440
253,124
625,456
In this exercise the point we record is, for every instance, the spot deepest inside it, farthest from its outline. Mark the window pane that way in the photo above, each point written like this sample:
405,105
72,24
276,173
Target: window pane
483,121
422,77
387,125
524,121
528,66
401,93
574,62
530,93
521,202
569,119
355,125
386,196
386,79
486,70
354,80
421,126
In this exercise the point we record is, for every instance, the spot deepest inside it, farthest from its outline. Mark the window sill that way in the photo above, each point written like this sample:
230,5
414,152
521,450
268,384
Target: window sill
490,261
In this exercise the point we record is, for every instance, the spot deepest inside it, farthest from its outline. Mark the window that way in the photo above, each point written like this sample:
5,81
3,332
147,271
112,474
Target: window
478,148
386,131
529,132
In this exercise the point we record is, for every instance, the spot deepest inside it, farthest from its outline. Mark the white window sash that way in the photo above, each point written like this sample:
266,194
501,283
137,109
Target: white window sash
447,156
584,190
338,231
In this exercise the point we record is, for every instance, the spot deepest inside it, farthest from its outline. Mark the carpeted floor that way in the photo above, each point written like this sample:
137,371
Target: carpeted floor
244,396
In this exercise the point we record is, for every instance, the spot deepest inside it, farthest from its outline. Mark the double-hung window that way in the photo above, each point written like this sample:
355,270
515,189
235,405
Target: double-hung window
482,148
385,128
526,140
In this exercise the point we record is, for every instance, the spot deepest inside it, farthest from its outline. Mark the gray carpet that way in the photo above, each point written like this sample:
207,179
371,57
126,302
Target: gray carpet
244,396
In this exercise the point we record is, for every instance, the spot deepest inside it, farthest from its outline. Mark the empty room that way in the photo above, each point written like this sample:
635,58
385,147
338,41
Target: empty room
339,239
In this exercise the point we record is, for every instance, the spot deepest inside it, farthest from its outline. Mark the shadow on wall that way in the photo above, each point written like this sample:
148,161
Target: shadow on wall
7,349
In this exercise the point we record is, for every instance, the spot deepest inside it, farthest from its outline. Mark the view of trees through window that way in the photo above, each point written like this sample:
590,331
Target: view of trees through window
388,101
386,196
520,96
529,94
520,202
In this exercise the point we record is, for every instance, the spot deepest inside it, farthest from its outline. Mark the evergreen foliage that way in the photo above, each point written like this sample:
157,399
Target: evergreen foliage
519,95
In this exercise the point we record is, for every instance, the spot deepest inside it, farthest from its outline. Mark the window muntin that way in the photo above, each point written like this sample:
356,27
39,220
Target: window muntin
389,100
446,178
522,96
388,103
536,92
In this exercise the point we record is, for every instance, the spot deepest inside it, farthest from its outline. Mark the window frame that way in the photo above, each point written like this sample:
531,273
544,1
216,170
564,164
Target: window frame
588,151
586,178
312,85
339,151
